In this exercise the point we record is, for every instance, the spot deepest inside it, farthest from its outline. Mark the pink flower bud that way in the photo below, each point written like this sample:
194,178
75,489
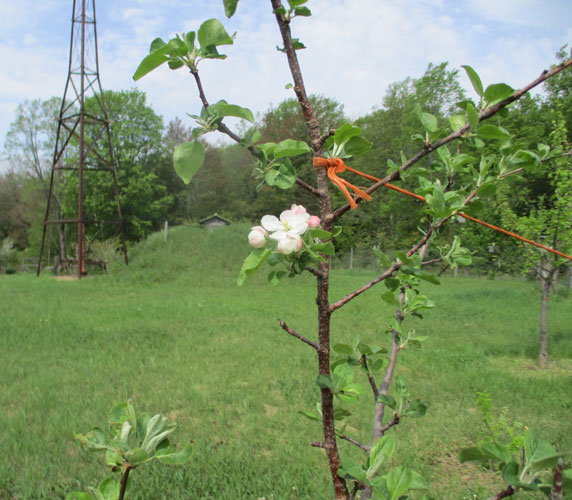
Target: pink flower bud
314,222
257,237
298,209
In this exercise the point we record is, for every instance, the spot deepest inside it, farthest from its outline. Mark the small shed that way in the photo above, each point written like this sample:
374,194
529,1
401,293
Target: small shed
214,221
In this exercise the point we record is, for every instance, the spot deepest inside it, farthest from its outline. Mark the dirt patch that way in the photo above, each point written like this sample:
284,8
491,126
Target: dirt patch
529,368
65,278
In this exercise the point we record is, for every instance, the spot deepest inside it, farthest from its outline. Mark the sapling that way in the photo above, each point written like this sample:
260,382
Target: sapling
131,441
456,185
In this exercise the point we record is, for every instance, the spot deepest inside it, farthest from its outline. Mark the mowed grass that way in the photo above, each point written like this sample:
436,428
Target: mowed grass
174,333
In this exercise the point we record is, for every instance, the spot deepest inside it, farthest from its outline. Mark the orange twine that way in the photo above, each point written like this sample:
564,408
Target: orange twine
337,166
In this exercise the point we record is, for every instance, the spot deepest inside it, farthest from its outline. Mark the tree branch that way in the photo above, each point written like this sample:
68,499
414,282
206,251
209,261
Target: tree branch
483,115
294,333
354,441
223,129
503,494
370,377
396,419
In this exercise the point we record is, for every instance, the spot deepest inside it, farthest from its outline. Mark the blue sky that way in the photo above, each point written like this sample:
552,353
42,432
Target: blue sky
355,48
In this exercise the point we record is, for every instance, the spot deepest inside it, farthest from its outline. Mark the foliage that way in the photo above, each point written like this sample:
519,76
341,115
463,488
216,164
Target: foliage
133,440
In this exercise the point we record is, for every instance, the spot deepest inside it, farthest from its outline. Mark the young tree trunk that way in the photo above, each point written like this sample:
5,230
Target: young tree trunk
569,277
546,275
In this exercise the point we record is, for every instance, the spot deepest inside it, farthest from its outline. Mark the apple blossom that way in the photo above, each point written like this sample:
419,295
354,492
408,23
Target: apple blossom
290,243
291,221
257,237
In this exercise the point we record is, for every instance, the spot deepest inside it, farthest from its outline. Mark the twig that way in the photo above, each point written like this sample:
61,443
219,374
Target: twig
372,382
503,494
123,484
318,444
484,115
223,129
396,419
355,489
351,440
294,333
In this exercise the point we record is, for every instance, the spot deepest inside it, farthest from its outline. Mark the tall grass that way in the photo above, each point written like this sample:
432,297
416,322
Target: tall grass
174,333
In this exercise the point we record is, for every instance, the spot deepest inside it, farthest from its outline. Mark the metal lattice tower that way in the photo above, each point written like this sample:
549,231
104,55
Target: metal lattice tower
83,141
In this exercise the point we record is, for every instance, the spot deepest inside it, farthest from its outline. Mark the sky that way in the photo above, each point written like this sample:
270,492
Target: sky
355,48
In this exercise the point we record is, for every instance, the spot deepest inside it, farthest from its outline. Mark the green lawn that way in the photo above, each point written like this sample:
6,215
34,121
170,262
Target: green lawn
174,333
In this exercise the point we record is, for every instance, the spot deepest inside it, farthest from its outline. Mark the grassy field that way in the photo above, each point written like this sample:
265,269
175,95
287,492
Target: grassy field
174,333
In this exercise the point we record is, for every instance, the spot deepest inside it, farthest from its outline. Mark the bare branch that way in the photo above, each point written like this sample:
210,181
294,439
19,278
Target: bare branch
557,487
314,271
318,444
483,115
294,333
355,442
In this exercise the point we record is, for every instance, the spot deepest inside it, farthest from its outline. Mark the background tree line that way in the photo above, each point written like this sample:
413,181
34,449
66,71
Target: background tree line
151,192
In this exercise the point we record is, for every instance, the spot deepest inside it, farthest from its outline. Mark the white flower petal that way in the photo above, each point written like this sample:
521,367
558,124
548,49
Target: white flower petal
271,223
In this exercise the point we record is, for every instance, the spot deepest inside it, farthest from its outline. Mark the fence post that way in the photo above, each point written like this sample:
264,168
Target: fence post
166,229
351,257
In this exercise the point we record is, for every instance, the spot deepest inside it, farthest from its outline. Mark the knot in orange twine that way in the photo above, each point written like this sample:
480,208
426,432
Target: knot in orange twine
336,166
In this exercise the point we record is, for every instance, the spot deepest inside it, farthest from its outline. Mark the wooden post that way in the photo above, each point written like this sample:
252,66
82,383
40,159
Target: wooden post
166,229
351,257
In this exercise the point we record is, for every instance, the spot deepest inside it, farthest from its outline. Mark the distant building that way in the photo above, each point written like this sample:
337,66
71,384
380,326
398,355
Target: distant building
214,221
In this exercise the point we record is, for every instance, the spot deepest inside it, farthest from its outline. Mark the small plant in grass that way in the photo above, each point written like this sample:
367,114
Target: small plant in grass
501,428
458,183
131,441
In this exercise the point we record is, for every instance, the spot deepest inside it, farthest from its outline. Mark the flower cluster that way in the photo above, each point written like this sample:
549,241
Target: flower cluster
286,231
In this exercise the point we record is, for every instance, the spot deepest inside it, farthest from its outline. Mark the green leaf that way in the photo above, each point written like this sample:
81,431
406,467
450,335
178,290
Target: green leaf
325,248
344,349
175,63
320,233
290,147
475,80
282,176
389,297
157,44
296,3
190,39
357,146
108,489
539,454
487,191
457,122
490,131
400,480
525,159
274,277
187,159
136,456
302,11
178,458
225,109
94,439
497,92
381,451
251,264
351,469
118,414
310,415
510,474
345,133
212,32
324,381
229,7
496,452
387,400
473,116
151,61
429,122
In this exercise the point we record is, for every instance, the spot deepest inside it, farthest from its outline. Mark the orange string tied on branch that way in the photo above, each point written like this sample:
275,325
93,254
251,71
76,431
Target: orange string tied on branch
336,166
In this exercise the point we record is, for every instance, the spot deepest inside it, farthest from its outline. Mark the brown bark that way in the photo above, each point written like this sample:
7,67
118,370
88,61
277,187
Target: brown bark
546,274
323,282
